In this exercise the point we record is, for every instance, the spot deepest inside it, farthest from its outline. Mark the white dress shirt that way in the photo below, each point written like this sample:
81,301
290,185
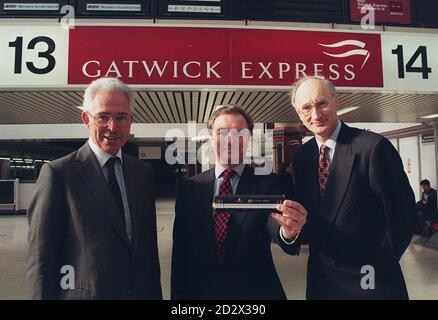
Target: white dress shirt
219,169
331,142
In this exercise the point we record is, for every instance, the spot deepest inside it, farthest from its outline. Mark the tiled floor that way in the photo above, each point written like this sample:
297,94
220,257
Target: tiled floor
420,265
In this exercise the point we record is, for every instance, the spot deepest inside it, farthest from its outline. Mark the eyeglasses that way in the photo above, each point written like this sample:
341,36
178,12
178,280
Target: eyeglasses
319,105
103,119
234,133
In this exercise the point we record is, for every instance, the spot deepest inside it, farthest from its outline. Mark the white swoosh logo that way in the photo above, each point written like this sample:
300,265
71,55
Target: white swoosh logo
354,52
356,43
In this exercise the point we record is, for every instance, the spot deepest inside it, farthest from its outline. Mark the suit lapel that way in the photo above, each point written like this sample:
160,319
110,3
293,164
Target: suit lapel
203,195
340,173
311,189
93,178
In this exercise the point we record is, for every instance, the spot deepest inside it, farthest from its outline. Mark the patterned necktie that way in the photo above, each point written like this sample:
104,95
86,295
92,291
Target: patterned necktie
221,218
115,188
324,168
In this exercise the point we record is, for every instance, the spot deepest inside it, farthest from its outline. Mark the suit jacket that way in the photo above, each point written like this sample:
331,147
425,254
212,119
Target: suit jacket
248,271
366,217
431,204
74,221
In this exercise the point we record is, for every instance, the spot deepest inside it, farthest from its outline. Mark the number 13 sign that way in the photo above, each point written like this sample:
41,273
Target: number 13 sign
33,56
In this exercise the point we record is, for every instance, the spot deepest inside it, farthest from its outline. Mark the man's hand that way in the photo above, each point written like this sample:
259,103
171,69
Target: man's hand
292,218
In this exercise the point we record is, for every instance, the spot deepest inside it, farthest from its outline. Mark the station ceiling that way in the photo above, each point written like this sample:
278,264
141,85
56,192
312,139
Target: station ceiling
57,107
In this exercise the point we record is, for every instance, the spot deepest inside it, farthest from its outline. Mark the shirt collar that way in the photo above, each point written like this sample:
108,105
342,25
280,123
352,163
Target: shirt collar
102,156
331,142
219,169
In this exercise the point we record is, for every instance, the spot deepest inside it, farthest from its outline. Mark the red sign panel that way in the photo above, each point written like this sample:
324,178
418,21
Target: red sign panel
385,11
222,56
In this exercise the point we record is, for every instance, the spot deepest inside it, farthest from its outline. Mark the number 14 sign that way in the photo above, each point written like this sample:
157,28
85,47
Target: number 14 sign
410,62
33,56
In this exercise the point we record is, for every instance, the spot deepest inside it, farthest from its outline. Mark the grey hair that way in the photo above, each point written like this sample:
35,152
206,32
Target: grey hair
108,85
330,86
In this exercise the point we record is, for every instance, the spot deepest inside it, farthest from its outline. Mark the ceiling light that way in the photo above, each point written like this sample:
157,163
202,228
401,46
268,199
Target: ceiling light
432,116
346,110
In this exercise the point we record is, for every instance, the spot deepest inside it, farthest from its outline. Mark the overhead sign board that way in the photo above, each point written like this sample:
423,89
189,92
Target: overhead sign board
195,8
114,8
16,6
229,57
384,11
32,8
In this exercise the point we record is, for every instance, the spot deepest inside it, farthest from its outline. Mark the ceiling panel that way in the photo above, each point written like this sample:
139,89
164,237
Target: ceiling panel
142,110
27,107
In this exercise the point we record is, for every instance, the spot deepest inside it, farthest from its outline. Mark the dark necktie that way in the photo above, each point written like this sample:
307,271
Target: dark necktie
114,186
324,167
221,218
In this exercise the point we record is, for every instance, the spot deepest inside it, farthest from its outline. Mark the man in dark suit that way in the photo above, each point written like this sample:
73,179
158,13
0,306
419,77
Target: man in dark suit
218,255
361,206
92,231
427,207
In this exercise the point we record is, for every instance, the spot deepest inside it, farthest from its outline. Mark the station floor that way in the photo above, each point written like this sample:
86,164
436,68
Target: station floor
419,264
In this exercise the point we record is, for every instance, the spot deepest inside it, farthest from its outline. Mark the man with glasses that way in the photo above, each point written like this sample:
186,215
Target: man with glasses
92,232
222,255
361,206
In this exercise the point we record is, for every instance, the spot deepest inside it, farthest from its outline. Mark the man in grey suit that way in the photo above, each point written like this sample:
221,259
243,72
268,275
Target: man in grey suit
92,231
